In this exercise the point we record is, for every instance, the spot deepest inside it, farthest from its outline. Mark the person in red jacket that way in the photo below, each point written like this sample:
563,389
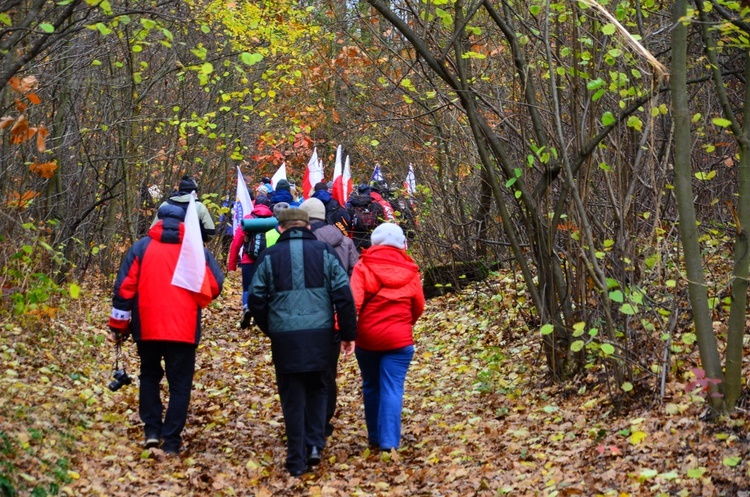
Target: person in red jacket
246,260
387,290
165,321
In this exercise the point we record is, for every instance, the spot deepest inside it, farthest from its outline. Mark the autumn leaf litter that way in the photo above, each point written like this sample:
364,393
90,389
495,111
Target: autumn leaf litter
480,417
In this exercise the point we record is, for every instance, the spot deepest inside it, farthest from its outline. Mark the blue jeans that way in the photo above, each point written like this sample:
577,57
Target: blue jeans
383,377
248,271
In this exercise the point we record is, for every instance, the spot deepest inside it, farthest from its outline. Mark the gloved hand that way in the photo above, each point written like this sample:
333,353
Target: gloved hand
119,325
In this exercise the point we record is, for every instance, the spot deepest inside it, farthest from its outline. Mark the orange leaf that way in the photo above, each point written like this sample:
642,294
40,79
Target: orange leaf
21,200
34,98
41,136
21,106
18,131
15,83
27,84
43,169
6,121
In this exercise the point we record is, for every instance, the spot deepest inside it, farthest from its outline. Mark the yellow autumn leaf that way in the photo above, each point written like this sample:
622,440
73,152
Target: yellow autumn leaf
637,437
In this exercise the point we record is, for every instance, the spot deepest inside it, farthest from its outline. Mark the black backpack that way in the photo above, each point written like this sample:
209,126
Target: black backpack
365,217
254,244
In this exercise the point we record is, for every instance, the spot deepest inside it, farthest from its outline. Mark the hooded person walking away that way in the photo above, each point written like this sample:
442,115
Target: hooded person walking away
348,256
283,194
181,198
336,214
165,321
387,290
298,291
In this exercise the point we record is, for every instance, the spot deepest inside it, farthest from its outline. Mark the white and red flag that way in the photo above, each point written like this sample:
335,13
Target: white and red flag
313,174
190,271
342,179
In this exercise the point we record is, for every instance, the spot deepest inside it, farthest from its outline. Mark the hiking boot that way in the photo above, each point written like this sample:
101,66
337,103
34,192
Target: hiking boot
246,319
313,459
152,442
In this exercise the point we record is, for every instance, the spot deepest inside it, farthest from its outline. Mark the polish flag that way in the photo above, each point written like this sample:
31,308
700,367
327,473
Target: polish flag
347,180
313,174
337,191
244,202
190,272
279,175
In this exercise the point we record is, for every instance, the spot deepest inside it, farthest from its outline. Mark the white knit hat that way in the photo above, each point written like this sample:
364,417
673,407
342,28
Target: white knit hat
389,234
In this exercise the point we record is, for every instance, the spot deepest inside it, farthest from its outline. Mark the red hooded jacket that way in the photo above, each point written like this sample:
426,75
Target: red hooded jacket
259,210
387,290
144,291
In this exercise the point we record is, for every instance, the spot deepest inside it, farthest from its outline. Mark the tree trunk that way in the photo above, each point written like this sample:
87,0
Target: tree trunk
685,206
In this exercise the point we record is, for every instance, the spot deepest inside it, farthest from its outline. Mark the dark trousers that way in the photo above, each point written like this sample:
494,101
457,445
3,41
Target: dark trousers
179,362
330,379
303,403
248,271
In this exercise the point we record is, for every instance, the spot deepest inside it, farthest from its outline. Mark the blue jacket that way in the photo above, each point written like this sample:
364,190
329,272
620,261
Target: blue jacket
283,196
298,283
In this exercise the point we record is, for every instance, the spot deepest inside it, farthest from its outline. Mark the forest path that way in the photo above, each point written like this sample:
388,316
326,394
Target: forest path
62,430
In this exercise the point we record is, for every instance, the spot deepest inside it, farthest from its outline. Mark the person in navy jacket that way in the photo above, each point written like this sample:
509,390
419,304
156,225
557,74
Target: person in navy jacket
165,322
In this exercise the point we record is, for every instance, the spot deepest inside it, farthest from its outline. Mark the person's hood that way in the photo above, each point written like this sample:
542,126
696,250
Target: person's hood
391,266
282,196
322,195
261,210
376,196
181,197
170,227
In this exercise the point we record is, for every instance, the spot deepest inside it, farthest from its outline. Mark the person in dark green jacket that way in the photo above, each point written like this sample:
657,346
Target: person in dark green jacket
298,290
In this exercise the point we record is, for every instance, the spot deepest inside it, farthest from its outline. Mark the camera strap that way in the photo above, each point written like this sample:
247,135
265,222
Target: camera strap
118,354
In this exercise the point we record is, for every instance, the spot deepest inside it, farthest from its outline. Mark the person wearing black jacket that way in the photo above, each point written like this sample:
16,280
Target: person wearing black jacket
298,291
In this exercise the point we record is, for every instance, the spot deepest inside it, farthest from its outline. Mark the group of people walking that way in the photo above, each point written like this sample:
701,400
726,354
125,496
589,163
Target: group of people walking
307,285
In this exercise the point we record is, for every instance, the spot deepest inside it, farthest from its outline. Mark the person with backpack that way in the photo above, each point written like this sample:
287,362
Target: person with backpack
336,214
366,215
378,189
181,198
247,244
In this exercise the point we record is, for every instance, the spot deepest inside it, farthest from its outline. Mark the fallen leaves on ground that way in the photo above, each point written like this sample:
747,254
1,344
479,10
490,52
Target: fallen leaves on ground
479,419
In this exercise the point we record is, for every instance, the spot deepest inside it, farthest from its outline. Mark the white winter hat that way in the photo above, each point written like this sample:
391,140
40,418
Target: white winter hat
315,208
389,234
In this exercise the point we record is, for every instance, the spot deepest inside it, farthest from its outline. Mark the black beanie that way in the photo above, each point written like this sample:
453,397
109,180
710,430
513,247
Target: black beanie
282,185
321,186
188,184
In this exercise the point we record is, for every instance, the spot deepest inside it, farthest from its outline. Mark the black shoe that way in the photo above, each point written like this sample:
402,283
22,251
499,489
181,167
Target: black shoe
152,442
300,472
246,319
313,459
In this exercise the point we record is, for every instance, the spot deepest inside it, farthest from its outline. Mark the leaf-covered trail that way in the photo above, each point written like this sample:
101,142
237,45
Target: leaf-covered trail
61,426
